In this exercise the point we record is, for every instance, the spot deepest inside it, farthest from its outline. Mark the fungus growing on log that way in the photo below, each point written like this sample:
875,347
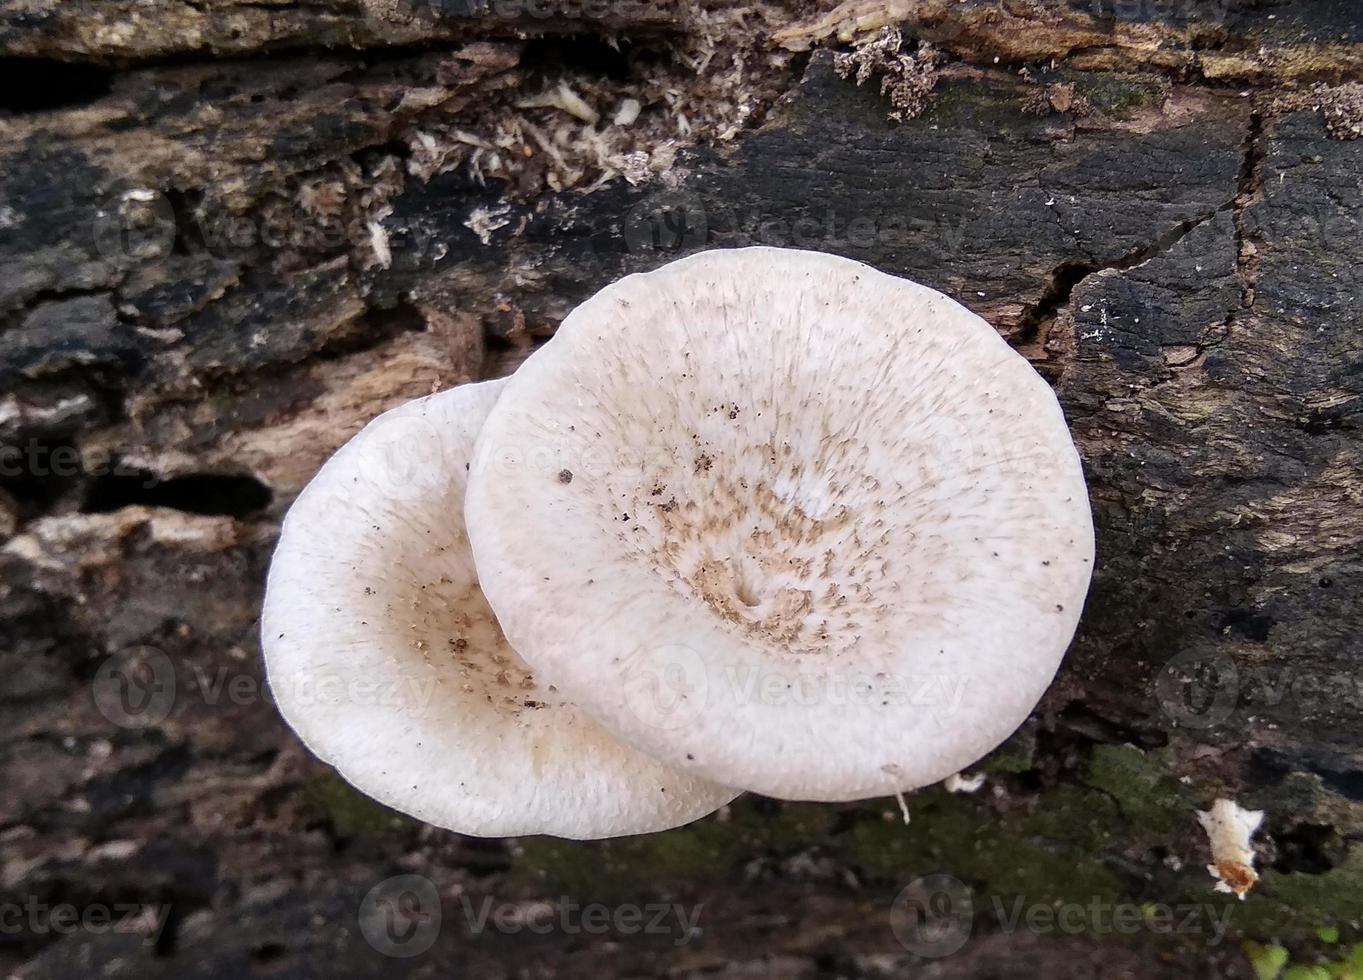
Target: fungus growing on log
385,659
827,535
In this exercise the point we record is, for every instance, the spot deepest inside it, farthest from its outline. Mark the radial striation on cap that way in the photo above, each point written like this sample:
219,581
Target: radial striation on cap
385,658
826,535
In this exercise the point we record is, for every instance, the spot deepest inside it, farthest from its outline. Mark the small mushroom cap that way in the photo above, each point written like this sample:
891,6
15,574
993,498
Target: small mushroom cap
827,537
386,660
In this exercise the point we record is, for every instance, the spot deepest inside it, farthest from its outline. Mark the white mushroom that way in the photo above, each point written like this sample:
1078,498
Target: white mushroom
384,657
826,537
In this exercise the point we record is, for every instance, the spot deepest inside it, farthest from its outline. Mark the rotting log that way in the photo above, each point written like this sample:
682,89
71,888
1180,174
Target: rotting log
230,233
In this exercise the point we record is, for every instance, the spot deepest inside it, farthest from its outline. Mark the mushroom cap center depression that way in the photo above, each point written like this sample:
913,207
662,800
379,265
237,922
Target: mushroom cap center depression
792,540
829,513
440,618
485,661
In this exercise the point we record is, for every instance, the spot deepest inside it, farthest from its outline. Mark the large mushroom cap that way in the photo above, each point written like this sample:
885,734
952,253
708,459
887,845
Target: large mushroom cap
385,658
826,535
